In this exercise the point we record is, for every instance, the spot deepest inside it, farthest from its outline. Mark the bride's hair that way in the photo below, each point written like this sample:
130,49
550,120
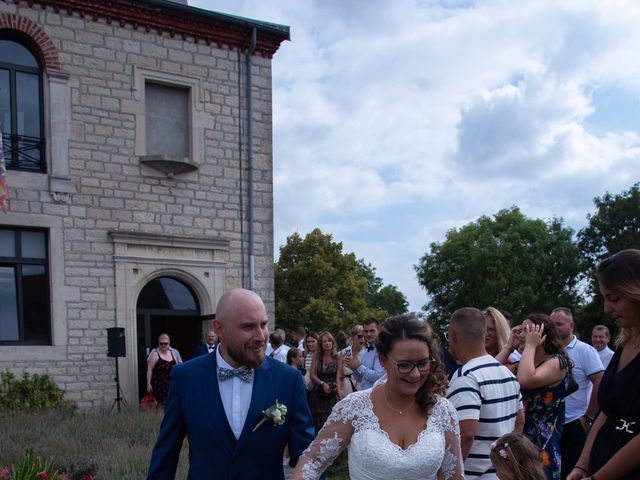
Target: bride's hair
410,327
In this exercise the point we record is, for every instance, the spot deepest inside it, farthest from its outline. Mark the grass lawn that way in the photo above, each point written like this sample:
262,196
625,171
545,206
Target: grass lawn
108,446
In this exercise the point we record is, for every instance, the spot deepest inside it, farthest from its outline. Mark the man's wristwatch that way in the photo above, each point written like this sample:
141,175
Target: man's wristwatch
589,419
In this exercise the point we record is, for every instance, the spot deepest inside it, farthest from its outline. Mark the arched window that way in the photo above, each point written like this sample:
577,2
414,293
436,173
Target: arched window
21,107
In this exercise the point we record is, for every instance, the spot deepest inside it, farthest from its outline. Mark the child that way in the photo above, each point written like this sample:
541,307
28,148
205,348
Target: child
296,360
515,457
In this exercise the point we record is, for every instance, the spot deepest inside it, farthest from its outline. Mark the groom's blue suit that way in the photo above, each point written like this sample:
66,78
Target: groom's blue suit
194,408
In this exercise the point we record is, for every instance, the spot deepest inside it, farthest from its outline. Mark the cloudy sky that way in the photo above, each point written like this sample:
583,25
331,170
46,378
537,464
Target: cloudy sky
397,120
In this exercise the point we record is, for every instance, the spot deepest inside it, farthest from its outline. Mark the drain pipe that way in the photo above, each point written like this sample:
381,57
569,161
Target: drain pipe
252,279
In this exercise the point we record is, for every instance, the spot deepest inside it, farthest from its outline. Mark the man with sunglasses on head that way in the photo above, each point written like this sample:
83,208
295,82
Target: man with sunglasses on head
367,368
485,393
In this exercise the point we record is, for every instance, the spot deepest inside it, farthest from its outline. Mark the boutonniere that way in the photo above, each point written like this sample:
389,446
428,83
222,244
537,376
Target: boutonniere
275,414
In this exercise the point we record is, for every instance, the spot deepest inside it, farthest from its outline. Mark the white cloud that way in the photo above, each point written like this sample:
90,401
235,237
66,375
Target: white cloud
394,121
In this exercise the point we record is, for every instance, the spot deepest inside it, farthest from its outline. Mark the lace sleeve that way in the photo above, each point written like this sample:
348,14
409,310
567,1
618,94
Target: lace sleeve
331,440
452,466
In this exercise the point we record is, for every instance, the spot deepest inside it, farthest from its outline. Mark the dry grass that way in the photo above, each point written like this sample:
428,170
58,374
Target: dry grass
109,446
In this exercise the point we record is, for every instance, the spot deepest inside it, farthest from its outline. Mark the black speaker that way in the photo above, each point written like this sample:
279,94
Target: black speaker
115,342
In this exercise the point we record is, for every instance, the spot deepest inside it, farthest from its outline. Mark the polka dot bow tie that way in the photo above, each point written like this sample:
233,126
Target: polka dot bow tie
243,373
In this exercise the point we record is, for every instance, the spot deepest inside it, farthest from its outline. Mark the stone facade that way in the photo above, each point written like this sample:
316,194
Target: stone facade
113,223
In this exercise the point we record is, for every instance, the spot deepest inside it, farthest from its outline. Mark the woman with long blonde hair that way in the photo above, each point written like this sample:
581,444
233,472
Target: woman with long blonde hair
324,376
498,331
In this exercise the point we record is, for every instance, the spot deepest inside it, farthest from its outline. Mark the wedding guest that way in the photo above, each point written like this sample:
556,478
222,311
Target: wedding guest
310,346
485,393
159,365
324,375
498,331
600,338
543,373
367,369
346,380
209,344
296,360
514,457
581,406
613,443
400,429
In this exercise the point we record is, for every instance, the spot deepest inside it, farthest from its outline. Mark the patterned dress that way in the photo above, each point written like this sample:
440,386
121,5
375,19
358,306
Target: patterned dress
544,417
160,378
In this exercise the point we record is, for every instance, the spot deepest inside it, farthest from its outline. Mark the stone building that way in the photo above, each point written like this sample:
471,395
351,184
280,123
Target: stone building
138,145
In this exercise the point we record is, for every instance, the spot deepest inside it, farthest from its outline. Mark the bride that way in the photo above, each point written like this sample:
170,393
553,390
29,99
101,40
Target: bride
403,428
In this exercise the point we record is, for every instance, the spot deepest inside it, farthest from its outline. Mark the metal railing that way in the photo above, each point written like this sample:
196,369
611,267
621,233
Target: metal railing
22,152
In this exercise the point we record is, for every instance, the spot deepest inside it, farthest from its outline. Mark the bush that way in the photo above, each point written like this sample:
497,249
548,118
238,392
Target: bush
30,394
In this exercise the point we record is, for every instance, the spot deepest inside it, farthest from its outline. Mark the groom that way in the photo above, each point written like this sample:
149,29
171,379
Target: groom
217,401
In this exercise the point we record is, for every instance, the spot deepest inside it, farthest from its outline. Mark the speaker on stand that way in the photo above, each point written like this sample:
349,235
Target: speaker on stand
116,348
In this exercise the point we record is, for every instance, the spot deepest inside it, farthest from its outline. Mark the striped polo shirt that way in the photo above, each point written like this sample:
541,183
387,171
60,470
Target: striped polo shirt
484,390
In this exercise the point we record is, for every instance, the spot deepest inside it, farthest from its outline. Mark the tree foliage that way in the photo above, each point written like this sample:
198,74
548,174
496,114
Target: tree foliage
321,288
509,261
614,226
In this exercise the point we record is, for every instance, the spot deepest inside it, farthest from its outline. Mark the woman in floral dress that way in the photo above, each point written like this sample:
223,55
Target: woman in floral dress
543,373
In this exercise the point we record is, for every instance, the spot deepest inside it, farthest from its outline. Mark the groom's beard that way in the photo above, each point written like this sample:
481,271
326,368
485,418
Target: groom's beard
250,355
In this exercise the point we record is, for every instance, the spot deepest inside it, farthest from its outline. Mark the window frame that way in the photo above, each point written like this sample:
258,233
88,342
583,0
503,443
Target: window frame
17,262
11,140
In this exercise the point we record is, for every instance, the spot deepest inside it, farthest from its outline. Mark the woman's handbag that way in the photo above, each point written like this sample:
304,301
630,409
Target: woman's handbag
148,402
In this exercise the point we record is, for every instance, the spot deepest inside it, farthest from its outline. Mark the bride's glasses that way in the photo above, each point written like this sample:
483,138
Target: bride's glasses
405,367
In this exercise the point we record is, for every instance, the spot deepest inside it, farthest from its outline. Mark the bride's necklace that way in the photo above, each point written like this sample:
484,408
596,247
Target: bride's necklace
384,394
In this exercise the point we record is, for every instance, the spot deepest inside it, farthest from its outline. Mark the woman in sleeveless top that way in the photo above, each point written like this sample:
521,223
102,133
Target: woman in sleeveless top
611,449
159,365
543,373
346,380
324,375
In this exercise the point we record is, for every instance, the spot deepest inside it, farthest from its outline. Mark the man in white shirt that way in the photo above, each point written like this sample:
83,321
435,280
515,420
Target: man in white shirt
600,338
280,350
485,393
581,406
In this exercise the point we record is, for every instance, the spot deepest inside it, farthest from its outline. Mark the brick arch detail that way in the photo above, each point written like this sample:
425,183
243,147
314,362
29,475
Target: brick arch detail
48,53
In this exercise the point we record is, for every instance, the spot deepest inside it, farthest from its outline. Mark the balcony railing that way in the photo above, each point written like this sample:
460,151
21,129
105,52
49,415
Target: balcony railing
22,152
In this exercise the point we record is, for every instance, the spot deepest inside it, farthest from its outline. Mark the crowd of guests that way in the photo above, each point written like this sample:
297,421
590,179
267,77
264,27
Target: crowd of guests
532,401
495,400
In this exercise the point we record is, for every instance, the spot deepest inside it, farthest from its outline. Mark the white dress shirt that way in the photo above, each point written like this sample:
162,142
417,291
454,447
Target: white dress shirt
236,397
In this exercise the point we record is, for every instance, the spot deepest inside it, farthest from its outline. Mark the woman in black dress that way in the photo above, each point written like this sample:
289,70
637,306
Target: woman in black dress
613,445
324,375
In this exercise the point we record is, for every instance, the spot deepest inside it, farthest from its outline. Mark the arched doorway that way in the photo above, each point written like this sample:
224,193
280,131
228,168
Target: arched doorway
166,305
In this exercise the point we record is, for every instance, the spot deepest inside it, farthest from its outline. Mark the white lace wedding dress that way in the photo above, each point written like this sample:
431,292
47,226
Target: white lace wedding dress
372,454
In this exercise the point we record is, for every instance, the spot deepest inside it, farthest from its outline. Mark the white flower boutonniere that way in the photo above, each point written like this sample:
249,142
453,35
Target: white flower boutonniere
275,414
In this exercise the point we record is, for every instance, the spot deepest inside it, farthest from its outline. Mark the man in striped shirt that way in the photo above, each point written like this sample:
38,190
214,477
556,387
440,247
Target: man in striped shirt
485,393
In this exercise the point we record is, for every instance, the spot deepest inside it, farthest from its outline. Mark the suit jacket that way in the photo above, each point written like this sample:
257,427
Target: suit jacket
194,409
203,349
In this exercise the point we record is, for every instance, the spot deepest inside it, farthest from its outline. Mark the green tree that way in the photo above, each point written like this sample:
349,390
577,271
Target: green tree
321,288
509,261
614,226
387,300
391,300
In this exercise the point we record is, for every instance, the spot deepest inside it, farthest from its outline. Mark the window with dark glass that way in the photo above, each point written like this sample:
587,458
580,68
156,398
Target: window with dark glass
21,107
25,316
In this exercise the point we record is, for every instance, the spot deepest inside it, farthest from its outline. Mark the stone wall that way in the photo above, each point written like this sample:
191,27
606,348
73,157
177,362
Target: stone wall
96,183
